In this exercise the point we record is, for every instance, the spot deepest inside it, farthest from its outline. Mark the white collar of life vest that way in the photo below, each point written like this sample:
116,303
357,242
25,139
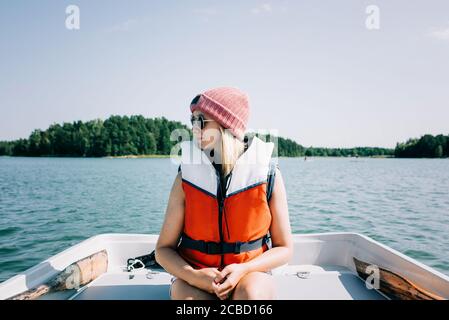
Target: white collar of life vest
250,169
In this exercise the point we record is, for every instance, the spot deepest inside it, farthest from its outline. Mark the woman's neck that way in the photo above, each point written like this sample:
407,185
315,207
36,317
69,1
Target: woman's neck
215,158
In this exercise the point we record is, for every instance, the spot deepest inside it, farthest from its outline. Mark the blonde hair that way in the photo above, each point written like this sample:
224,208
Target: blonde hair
231,149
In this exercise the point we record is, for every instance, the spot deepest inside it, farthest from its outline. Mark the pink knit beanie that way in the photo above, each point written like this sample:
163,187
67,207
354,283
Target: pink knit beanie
226,105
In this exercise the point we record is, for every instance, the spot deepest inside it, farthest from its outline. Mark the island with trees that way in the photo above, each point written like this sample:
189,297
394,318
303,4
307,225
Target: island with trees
139,136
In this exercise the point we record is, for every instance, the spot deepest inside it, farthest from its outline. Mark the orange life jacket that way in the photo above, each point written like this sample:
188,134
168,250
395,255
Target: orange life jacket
226,226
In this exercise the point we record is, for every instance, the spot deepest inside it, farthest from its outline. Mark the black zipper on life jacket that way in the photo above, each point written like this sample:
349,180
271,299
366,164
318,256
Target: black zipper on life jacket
222,211
220,197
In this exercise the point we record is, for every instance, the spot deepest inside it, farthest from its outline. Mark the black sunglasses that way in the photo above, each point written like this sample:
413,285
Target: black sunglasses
199,121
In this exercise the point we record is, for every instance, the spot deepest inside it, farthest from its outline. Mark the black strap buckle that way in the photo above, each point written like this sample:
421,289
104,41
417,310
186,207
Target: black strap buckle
237,246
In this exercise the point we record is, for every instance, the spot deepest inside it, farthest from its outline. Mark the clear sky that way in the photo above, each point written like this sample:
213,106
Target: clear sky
312,69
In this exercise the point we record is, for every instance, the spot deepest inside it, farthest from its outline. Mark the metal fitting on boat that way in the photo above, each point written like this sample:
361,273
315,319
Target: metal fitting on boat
303,274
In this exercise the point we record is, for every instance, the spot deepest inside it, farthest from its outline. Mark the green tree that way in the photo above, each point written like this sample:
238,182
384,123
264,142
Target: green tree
5,148
439,151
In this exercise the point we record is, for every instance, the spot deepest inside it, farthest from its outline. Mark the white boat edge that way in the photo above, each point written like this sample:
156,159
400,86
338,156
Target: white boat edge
318,249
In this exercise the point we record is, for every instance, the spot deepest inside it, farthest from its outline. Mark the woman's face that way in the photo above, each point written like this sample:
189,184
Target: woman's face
208,137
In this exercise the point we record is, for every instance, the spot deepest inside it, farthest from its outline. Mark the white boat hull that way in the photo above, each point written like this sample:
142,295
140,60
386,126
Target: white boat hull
322,267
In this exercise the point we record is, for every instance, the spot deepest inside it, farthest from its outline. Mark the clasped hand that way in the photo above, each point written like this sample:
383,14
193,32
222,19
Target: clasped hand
221,283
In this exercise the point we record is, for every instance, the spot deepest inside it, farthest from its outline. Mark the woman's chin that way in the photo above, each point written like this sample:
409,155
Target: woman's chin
203,144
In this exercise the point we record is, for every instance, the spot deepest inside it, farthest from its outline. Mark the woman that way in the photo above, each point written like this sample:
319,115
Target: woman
221,210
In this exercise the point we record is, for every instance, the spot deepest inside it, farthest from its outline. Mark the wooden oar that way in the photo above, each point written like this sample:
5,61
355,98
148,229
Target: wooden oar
394,285
74,276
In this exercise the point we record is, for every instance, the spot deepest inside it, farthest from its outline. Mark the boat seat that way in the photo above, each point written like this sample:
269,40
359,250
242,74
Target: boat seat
313,282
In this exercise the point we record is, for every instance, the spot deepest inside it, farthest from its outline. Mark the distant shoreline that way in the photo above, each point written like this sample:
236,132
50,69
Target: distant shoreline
131,156
168,156
139,156
162,156
123,137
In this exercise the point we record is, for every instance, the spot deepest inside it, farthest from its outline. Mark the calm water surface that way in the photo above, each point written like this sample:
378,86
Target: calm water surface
49,204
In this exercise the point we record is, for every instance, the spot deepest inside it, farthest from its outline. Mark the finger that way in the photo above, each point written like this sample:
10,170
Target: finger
219,278
221,297
215,291
225,294
215,287
223,274
224,286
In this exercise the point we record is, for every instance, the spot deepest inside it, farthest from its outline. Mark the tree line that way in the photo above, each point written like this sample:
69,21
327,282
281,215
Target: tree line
289,148
116,136
428,146
137,135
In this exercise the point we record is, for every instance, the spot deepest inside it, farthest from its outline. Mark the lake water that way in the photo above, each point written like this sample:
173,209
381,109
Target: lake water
49,204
